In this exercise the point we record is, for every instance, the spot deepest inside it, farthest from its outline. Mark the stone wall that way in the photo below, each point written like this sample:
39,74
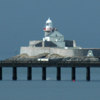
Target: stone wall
34,51
84,51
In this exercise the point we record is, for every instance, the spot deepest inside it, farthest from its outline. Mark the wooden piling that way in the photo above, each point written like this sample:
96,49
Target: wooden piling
14,73
29,73
43,73
0,73
88,73
58,73
73,74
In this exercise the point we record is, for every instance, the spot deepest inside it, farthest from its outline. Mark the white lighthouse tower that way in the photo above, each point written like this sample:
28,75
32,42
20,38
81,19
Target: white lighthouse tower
48,29
48,26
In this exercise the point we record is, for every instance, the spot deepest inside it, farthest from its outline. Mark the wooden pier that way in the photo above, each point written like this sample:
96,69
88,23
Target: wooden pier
44,64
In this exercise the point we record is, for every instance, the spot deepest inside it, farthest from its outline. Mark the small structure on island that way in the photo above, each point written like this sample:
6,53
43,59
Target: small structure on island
53,43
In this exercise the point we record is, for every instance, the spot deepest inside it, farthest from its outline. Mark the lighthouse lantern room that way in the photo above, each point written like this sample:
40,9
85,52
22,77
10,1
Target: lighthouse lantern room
49,25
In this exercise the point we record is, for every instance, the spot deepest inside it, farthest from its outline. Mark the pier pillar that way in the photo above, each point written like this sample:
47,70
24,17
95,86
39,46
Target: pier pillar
58,73
0,73
29,73
43,73
14,73
88,73
73,74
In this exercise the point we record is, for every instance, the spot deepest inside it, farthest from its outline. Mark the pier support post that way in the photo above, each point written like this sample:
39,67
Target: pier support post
58,73
88,73
73,74
43,73
29,73
14,73
0,73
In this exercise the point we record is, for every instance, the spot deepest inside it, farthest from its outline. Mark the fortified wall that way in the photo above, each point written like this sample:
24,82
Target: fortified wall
34,51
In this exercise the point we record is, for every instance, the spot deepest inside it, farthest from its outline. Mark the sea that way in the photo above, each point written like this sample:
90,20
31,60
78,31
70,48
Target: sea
51,89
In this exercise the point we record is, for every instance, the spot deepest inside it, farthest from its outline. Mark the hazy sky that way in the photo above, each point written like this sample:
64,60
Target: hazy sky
23,20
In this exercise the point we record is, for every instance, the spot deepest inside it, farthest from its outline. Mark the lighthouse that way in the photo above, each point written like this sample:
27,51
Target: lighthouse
52,35
48,26
48,29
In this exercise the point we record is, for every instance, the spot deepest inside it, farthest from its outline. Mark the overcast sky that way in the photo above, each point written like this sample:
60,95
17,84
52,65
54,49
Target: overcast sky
23,20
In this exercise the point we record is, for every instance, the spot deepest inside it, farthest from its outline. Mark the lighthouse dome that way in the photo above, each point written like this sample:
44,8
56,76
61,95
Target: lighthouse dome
49,20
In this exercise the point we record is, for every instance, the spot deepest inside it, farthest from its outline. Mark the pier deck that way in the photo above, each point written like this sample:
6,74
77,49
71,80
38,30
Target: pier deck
49,63
44,63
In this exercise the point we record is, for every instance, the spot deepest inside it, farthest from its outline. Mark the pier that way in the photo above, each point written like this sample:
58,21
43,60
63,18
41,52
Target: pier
53,51
44,64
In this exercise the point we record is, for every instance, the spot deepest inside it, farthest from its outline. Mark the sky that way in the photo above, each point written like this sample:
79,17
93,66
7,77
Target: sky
23,20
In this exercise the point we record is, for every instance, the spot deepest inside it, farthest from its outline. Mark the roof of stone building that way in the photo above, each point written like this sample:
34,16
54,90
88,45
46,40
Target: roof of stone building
55,33
46,44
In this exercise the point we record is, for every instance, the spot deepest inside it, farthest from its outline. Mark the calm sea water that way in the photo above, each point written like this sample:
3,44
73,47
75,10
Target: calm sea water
50,89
